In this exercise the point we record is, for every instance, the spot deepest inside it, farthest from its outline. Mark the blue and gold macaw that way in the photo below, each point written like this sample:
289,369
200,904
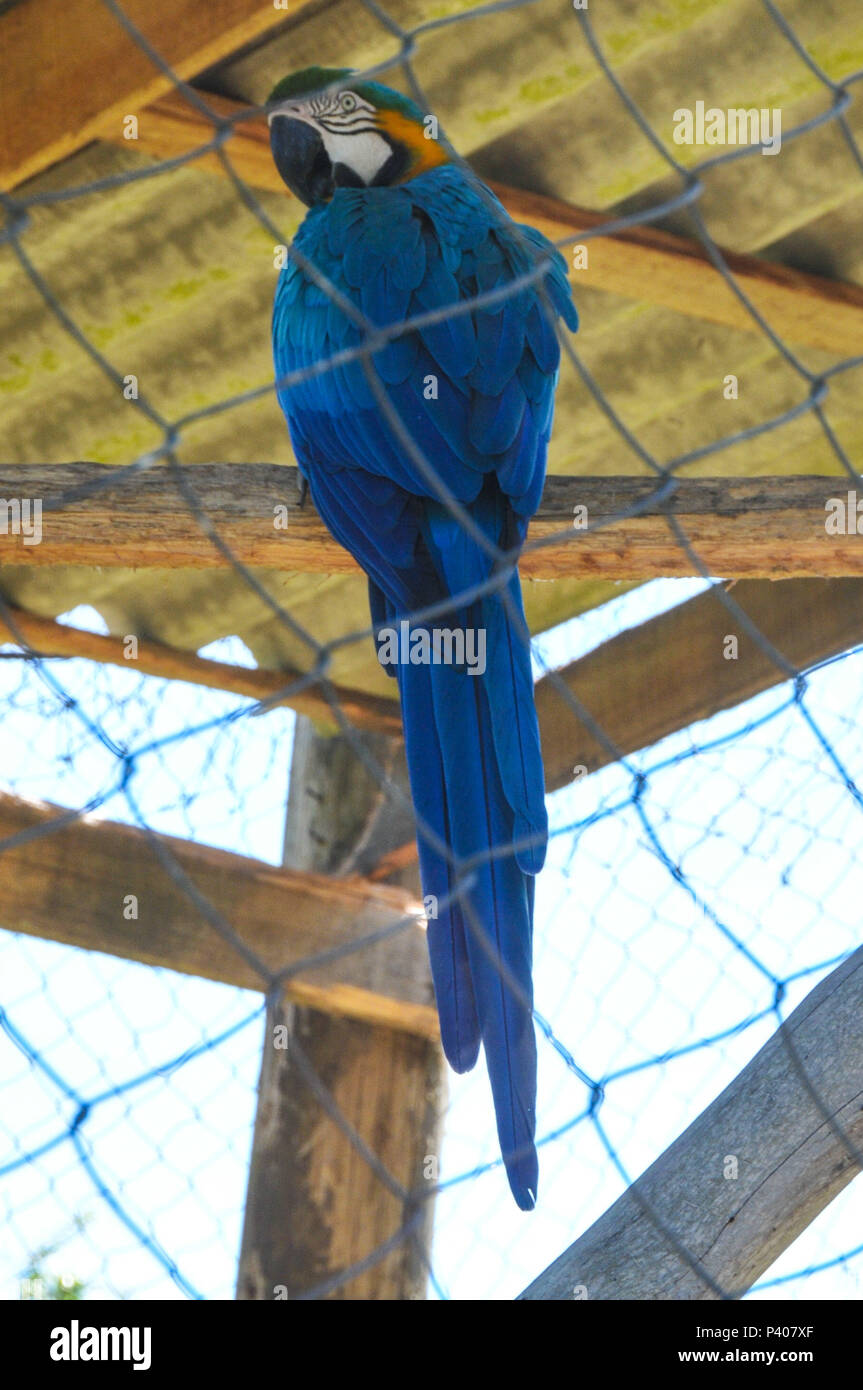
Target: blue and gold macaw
401,230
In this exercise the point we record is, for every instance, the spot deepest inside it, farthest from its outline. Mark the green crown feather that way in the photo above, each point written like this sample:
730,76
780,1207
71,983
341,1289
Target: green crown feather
311,80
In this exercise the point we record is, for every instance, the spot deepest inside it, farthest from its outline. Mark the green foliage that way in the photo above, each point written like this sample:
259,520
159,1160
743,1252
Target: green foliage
37,1283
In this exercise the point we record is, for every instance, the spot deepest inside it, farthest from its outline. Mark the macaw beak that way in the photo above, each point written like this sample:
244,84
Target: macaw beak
301,159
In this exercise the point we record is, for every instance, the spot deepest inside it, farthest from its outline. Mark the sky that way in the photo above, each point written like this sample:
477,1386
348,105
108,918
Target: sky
144,1199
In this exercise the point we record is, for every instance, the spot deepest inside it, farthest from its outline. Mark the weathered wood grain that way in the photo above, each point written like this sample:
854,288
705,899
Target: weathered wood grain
71,883
675,669
650,681
770,528
70,70
792,1158
315,1206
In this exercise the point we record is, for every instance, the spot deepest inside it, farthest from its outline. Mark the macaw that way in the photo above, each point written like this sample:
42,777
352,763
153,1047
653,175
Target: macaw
400,229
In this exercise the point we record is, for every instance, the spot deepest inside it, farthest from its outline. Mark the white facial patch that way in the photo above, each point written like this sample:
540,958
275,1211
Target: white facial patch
345,132
366,152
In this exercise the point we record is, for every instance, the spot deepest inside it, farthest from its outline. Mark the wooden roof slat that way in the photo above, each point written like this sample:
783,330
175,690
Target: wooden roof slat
71,70
794,1110
673,670
641,686
50,638
643,263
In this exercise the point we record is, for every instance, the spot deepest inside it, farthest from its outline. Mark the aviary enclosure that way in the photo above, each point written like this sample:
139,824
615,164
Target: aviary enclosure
219,1060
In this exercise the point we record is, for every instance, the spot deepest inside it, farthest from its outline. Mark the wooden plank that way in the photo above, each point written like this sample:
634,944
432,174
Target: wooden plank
769,528
315,1206
170,128
650,681
671,671
661,676
92,868
792,1157
50,638
657,267
645,264
668,673
71,72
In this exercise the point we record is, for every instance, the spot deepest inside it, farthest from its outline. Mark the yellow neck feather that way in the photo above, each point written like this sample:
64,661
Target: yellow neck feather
427,153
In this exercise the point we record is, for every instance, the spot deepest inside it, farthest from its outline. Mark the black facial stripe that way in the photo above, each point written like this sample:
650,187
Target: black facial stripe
353,124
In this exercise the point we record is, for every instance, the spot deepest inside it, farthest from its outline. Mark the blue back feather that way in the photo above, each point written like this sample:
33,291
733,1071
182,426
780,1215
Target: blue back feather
475,392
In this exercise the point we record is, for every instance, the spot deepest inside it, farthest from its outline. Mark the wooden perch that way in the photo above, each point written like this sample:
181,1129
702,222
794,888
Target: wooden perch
74,884
644,264
772,527
50,638
747,1177
71,72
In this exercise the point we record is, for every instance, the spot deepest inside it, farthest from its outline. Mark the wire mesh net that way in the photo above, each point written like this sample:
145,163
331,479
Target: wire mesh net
696,890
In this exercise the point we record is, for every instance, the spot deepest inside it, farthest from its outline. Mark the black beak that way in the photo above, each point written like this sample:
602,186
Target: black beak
301,159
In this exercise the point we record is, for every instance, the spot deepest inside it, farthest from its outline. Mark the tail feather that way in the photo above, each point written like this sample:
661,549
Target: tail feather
516,730
460,1028
476,772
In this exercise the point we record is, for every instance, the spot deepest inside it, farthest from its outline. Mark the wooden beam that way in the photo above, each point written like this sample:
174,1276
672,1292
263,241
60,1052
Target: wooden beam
791,1157
71,72
675,272
770,527
93,869
675,669
50,638
652,680
644,263
668,673
171,128
316,1205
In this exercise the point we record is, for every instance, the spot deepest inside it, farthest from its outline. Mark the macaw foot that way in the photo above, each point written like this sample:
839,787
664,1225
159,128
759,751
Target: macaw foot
303,487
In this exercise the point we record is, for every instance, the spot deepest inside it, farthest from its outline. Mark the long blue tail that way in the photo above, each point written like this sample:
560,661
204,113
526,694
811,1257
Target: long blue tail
476,775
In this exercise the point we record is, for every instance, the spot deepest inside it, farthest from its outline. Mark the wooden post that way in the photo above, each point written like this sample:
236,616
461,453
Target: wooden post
316,1206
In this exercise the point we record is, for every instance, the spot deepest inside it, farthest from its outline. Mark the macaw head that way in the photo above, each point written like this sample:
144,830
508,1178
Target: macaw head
331,131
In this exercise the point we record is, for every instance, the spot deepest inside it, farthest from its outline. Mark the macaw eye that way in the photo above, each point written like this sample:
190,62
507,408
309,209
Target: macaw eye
348,101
